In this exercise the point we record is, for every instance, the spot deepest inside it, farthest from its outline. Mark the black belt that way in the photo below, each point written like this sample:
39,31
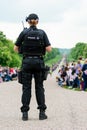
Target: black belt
26,56
33,56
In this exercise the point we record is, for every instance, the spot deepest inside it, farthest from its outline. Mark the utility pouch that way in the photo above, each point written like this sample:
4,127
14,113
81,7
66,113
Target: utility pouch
45,72
20,76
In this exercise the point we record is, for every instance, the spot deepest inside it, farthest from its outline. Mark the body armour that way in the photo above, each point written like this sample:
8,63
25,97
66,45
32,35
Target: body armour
33,44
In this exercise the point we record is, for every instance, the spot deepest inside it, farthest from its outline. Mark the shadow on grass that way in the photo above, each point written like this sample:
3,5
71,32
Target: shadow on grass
75,89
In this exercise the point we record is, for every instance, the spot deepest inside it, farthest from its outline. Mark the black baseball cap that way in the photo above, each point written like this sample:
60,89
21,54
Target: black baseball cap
32,16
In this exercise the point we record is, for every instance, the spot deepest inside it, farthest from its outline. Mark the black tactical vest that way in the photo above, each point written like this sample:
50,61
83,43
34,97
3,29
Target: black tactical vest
33,44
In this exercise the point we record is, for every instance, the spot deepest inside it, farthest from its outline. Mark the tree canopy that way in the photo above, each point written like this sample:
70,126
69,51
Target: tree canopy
10,58
80,50
7,55
52,54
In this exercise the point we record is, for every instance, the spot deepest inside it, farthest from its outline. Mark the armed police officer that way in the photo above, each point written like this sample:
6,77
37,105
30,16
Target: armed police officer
34,43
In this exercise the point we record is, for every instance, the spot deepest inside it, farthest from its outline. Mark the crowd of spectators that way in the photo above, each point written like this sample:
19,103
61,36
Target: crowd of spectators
73,75
10,74
7,74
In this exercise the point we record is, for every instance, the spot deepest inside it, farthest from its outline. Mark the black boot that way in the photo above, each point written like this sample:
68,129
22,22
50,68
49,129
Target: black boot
42,115
25,116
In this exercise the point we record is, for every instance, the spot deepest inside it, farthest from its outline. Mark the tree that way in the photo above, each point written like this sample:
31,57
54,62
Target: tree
52,54
78,50
10,58
85,51
7,55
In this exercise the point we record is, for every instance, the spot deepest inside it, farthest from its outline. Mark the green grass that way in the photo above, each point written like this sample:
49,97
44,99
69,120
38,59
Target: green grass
75,89
53,61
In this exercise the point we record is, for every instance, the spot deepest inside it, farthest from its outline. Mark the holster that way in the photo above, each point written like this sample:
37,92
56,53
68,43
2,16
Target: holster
45,72
20,79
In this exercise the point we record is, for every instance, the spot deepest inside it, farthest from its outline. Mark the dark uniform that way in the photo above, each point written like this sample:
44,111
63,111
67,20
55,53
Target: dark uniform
32,54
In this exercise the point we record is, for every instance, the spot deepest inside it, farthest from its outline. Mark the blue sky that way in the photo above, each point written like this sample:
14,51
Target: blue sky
64,21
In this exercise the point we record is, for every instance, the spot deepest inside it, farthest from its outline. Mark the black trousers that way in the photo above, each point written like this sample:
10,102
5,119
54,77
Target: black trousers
39,90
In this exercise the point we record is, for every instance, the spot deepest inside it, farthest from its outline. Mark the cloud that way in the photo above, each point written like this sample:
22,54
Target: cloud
11,30
48,10
64,21
59,34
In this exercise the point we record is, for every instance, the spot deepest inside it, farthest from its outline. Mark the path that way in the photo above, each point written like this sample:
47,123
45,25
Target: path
67,109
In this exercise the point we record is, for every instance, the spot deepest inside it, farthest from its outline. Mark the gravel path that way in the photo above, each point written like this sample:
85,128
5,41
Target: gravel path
67,109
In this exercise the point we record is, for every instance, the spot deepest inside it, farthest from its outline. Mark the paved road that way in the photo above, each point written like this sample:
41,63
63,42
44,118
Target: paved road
67,109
